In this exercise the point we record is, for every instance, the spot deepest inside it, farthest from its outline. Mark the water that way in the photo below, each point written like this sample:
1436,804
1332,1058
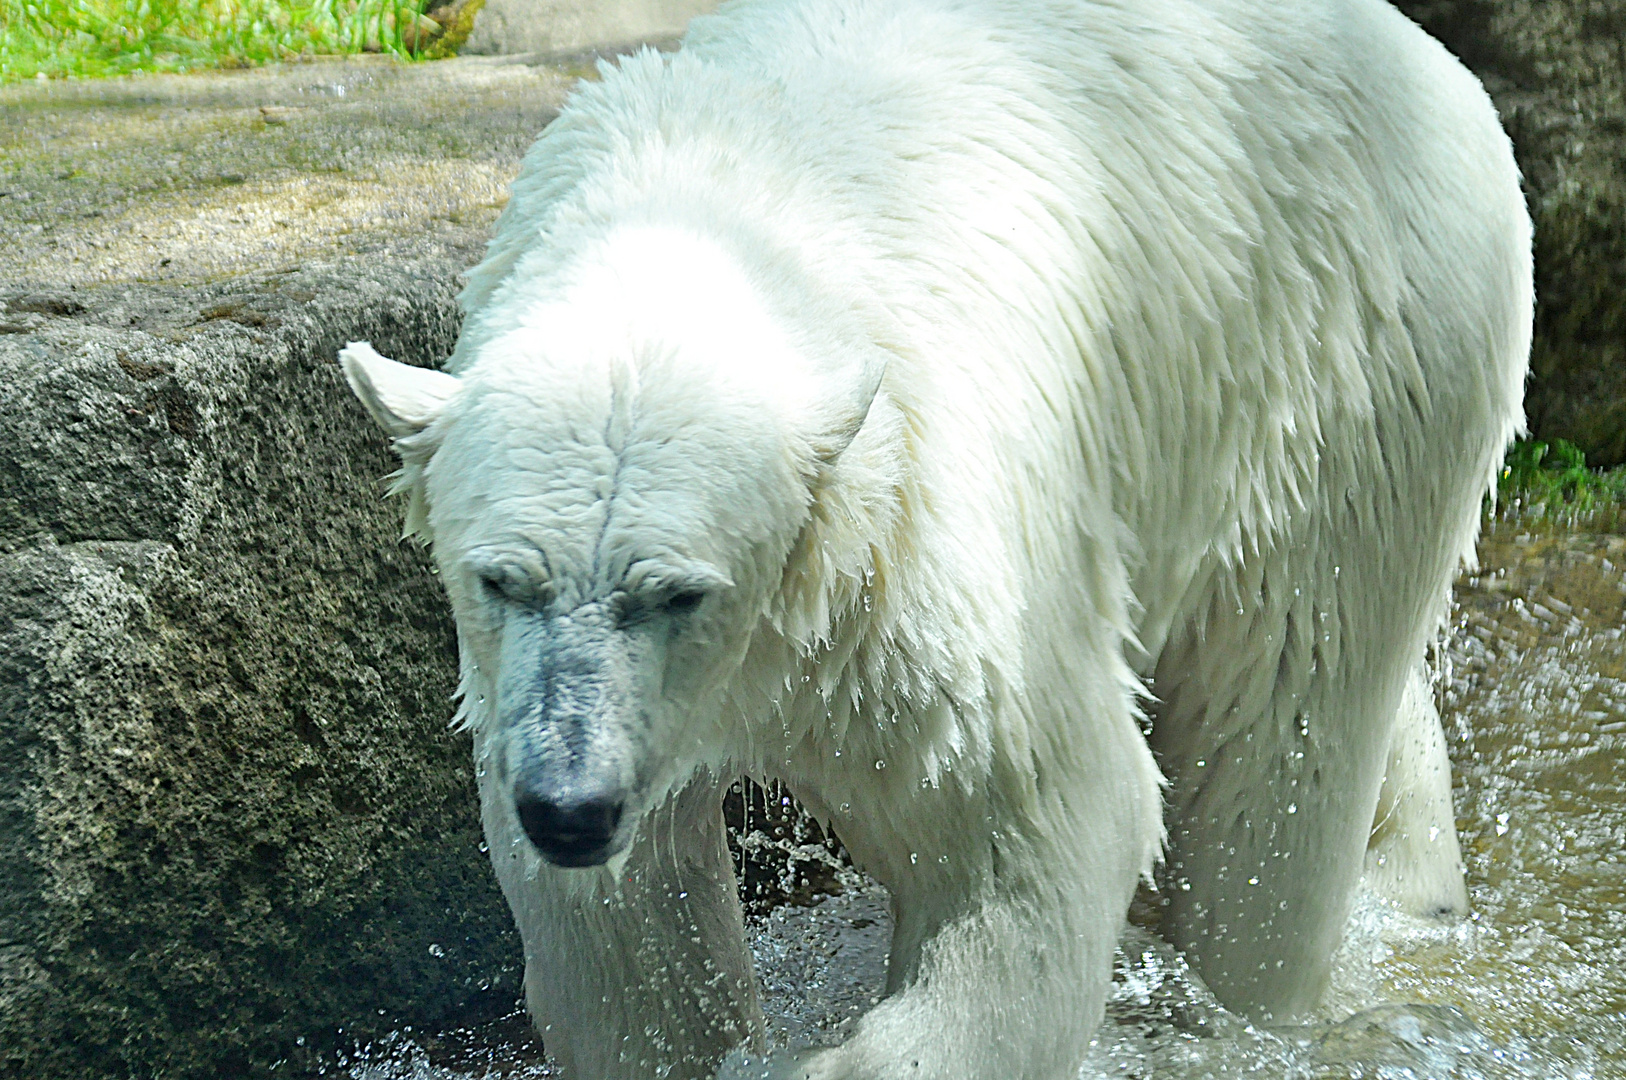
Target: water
1532,985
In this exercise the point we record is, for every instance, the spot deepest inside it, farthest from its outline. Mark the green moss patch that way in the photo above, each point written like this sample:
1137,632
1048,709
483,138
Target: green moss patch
1550,481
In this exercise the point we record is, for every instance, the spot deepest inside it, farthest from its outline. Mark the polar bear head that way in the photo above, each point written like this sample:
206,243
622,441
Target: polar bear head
612,486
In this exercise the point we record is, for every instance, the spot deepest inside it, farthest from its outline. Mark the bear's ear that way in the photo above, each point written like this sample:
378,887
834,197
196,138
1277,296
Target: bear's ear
848,411
402,399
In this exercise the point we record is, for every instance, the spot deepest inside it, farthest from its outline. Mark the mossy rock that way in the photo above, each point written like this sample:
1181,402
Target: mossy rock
1556,71
457,20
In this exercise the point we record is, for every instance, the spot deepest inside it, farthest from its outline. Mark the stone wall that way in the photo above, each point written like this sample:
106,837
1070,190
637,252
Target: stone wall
1557,70
564,26
232,818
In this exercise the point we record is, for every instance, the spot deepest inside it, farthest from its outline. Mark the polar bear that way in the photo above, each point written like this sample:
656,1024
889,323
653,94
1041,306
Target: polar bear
1042,433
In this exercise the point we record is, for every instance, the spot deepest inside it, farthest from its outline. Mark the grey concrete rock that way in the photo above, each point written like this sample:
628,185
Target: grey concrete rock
1557,70
232,816
566,26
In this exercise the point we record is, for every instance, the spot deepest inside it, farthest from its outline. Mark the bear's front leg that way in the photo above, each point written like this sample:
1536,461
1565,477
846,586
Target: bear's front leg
1010,899
636,970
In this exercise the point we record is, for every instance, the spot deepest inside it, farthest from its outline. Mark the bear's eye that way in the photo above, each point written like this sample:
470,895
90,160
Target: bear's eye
503,588
684,603
632,610
493,587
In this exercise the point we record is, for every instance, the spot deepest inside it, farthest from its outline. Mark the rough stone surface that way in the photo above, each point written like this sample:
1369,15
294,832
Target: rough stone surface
564,26
233,815
1557,70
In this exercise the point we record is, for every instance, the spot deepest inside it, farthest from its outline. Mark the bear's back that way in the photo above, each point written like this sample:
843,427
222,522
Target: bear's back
1156,254
1180,246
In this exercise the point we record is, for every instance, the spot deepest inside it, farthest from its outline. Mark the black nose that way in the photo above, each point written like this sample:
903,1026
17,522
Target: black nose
569,830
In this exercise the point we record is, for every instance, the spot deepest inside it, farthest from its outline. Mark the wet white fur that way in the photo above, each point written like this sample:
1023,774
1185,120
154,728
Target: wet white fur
1176,344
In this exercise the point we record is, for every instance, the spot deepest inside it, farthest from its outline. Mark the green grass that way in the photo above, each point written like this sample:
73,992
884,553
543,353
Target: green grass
1550,481
86,38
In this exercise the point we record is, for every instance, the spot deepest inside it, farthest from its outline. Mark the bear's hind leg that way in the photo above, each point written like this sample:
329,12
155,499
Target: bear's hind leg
1413,859
1273,725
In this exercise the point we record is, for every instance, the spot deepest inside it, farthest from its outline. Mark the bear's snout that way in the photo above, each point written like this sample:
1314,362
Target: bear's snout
570,828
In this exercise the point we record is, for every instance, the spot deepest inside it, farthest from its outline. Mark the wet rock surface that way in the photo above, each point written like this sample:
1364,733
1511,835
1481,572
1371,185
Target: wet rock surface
1557,70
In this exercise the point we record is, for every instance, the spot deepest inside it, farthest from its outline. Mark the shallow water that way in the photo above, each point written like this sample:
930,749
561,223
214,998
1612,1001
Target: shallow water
1532,687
